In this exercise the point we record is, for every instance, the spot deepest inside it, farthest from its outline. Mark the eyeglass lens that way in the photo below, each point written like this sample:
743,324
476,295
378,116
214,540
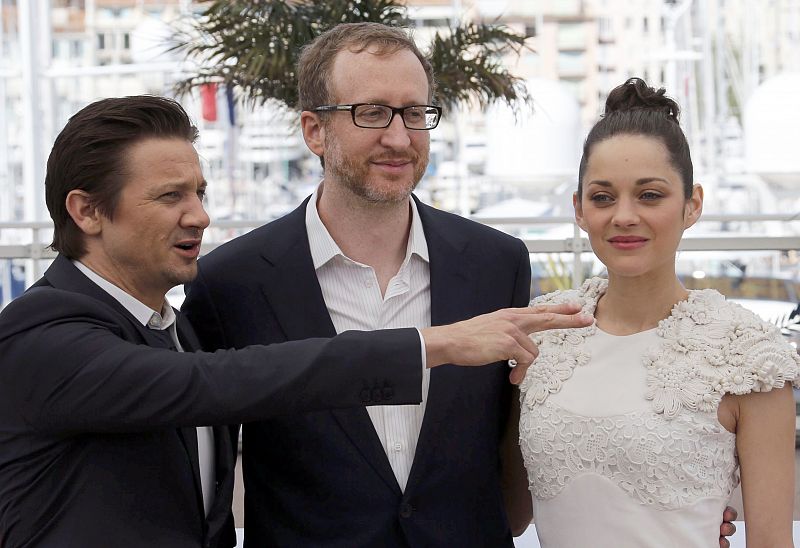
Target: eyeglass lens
379,116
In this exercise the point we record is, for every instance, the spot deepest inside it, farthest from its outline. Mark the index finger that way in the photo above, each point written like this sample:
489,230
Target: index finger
542,321
562,308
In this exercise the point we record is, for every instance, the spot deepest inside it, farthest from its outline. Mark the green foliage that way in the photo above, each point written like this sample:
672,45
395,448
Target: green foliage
468,66
253,45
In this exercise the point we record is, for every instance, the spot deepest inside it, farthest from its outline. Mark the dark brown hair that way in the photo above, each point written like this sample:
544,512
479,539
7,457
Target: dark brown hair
89,155
634,108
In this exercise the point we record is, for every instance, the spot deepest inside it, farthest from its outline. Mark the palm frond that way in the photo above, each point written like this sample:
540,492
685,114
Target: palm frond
253,45
468,66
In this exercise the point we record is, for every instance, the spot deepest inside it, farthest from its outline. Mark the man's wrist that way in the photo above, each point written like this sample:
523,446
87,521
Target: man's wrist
434,347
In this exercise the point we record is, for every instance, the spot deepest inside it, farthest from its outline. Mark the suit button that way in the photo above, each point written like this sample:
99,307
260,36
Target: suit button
406,510
365,394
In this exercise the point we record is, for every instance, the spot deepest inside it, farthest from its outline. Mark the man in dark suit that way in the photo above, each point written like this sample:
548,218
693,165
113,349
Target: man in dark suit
362,252
100,394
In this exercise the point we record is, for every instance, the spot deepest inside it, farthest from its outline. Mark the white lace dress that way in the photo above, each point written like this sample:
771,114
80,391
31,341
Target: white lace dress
620,434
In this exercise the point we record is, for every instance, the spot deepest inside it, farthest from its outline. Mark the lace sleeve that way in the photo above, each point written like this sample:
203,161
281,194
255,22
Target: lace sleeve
714,347
758,358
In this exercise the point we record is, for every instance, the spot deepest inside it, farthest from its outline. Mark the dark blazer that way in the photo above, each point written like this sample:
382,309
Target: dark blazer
92,450
322,479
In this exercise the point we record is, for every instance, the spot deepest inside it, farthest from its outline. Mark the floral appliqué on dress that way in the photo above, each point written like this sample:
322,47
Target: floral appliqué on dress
710,347
678,452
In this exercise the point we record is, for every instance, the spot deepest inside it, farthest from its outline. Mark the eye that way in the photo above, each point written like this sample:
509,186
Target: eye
201,193
601,198
414,114
170,196
371,113
650,195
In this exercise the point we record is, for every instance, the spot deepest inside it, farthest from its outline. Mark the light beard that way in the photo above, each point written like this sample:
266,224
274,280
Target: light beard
354,175
181,276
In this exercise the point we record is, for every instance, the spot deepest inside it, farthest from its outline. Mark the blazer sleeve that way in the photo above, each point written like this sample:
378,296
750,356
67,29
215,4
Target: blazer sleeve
66,369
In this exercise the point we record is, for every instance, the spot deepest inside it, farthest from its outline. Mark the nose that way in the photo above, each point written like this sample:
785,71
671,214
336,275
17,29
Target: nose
396,136
195,215
625,212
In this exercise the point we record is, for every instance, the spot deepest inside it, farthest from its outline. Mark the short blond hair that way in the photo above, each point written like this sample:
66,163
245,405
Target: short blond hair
316,57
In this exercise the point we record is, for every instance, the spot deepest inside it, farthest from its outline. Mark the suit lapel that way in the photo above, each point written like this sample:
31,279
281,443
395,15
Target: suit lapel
290,282
291,287
224,451
452,281
63,274
188,434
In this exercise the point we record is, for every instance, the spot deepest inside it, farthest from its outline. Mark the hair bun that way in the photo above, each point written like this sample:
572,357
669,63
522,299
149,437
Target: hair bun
635,94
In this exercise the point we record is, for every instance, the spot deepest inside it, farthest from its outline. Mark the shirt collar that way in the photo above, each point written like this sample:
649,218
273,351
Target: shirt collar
143,313
324,247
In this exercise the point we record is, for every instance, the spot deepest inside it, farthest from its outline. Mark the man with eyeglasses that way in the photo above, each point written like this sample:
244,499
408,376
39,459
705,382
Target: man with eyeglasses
363,253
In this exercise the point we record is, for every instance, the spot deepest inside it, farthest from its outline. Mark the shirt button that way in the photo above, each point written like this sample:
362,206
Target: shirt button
397,446
367,283
406,510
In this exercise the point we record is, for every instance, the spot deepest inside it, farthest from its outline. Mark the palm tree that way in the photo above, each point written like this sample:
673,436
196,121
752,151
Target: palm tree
253,46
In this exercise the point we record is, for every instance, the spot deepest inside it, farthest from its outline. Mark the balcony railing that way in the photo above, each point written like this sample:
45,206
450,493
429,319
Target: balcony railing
32,245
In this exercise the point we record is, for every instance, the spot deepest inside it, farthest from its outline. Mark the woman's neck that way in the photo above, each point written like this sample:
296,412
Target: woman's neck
632,305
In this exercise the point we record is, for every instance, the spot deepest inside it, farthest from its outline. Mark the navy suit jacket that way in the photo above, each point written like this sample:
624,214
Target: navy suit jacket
322,479
93,450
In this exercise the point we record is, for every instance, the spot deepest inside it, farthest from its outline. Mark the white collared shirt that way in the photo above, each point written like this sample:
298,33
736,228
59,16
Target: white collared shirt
354,301
160,321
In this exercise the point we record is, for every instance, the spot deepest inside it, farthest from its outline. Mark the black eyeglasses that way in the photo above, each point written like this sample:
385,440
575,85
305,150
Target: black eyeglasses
367,115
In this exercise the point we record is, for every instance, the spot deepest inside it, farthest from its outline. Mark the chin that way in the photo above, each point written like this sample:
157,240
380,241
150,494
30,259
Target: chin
388,194
183,276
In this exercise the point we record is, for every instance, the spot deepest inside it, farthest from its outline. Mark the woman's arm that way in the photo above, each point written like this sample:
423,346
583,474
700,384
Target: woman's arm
765,432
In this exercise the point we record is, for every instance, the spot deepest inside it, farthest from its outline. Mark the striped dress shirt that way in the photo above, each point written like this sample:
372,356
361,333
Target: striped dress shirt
354,301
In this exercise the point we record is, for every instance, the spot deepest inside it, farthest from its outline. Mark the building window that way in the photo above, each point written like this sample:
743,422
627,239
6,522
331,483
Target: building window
571,36
571,63
101,41
126,41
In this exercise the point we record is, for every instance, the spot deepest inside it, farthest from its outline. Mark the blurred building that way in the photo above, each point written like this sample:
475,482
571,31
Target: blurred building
58,55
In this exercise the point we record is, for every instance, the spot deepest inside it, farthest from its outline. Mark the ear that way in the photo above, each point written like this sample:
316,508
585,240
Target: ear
83,211
576,203
694,207
313,132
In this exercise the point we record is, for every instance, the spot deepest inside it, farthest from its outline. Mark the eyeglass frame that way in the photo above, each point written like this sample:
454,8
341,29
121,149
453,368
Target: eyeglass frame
395,110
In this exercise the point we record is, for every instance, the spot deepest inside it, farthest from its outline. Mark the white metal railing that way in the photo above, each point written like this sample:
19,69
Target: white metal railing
35,247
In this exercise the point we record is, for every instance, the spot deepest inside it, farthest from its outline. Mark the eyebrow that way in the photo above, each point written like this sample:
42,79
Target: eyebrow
178,185
639,182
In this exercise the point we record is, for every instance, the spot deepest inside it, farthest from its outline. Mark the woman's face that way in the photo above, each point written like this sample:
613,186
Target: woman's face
633,206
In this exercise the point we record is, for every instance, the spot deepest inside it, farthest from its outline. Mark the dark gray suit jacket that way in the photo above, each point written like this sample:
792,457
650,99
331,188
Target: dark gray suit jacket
90,414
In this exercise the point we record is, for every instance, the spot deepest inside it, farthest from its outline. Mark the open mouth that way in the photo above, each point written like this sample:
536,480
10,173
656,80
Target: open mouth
192,247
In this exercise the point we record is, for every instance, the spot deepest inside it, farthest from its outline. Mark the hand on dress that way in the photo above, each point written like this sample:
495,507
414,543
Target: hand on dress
499,336
727,528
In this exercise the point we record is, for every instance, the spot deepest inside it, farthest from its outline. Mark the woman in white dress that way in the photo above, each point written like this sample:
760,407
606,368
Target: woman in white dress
634,430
